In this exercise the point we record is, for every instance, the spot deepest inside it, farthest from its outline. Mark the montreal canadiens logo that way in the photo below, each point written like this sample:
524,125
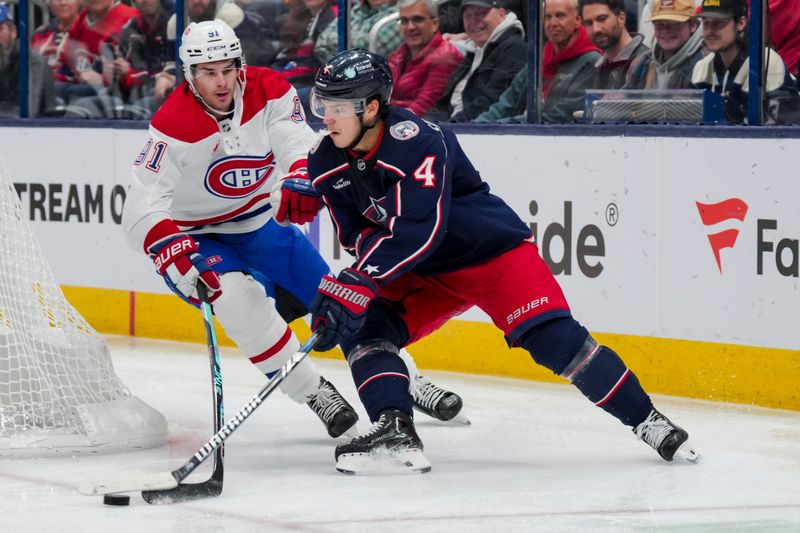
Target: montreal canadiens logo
239,176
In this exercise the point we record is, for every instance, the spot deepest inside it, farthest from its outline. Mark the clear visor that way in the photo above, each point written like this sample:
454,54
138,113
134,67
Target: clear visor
335,108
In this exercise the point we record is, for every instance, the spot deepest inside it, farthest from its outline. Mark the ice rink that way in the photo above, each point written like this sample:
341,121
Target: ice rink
537,457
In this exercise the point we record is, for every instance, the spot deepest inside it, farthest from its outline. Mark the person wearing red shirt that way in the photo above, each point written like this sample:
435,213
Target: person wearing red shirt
422,65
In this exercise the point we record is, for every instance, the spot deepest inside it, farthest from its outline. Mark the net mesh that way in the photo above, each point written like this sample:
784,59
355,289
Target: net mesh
52,362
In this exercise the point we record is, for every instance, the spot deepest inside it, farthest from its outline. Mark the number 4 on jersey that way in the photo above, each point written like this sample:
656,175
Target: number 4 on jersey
425,173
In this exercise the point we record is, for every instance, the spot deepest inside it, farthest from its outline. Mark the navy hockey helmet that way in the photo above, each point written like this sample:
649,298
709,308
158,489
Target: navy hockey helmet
356,75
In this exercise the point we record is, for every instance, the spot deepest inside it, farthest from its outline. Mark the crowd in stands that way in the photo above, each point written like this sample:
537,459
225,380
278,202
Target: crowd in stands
452,60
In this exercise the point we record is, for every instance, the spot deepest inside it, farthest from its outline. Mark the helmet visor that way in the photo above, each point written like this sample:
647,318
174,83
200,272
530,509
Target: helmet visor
335,108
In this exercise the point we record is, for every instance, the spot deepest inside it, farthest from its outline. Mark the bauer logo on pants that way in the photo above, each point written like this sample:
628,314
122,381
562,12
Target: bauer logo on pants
239,176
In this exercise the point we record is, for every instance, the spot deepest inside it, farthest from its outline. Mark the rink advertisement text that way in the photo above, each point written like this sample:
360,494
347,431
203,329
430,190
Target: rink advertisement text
615,218
71,202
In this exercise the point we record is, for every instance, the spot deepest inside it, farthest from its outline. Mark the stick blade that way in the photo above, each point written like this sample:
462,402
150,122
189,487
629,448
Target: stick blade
128,482
184,492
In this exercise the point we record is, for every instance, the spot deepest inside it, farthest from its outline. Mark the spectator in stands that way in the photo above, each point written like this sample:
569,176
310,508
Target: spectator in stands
300,29
497,54
678,47
93,46
252,30
51,40
784,26
145,53
41,91
424,62
363,17
567,70
725,70
605,22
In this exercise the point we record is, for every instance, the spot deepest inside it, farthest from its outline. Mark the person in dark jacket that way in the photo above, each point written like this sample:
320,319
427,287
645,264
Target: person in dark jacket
497,54
41,90
567,70
144,54
604,21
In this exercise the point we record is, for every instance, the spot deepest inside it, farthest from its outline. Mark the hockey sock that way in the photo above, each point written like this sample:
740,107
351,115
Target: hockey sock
381,379
566,348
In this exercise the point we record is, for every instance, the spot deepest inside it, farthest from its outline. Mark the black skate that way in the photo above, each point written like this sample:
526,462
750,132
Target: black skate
334,411
435,401
391,446
668,439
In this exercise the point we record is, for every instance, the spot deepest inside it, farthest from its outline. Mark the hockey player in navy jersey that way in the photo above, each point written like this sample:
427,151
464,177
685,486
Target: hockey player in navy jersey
429,242
227,150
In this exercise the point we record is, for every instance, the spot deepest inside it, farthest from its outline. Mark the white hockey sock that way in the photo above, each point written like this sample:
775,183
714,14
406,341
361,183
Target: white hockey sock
251,320
413,371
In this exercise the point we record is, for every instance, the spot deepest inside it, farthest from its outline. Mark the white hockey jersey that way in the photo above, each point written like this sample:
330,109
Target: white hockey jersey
205,176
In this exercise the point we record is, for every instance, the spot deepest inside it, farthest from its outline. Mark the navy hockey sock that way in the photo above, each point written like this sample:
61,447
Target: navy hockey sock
566,348
381,379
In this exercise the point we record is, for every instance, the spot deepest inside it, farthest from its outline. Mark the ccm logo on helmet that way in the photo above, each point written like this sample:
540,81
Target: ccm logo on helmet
343,293
239,176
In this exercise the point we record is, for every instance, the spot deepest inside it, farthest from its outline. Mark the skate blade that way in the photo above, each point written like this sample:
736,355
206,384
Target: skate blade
689,453
460,419
384,462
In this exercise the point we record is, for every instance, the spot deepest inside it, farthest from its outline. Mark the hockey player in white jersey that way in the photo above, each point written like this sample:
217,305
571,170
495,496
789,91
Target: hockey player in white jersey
200,207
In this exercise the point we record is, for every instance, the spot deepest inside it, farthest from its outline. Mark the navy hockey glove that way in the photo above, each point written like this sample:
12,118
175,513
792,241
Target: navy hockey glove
294,199
339,308
180,264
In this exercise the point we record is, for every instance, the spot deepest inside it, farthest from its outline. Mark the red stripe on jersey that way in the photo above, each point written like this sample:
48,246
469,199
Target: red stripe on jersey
383,375
300,164
277,347
394,169
328,174
227,216
374,150
162,230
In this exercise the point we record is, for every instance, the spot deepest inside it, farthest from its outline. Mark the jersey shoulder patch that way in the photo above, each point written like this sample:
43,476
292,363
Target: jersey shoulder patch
402,131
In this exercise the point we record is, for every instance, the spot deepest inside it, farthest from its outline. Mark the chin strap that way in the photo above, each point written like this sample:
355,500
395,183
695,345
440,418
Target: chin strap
364,129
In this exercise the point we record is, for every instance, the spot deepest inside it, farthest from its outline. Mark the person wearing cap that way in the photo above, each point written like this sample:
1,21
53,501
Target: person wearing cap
41,90
725,70
424,62
568,69
363,16
496,53
678,46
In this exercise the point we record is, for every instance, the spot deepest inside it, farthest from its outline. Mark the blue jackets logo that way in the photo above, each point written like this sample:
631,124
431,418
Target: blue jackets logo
238,176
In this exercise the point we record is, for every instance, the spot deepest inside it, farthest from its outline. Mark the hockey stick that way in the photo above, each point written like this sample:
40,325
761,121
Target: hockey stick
184,492
166,487
213,485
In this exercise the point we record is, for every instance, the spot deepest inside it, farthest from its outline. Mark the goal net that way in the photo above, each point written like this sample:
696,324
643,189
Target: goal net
58,389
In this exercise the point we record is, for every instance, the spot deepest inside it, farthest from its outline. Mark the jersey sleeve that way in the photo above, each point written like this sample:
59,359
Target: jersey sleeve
289,133
147,215
417,206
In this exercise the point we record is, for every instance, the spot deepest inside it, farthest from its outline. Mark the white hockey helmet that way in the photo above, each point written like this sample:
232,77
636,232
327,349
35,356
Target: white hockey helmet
208,41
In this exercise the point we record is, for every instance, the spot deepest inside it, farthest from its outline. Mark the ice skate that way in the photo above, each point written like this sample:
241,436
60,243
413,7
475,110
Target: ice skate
334,411
435,401
391,446
668,439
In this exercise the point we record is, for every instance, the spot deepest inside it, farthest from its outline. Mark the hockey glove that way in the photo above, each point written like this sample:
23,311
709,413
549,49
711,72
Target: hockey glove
339,308
180,264
294,199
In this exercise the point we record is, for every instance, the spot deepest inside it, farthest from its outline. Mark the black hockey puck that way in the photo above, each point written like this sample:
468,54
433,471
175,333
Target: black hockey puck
117,499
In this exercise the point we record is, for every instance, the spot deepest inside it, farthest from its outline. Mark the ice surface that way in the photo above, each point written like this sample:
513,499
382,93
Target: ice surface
537,457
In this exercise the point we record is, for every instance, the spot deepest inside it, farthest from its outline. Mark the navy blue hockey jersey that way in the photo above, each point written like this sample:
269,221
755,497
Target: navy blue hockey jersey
414,203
